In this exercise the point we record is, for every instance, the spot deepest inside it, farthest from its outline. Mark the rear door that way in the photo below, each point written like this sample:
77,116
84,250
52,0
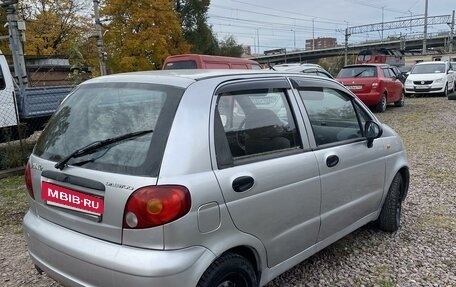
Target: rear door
393,84
267,173
352,174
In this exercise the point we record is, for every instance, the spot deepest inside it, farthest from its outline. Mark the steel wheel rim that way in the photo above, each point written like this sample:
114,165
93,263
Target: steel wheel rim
383,103
233,280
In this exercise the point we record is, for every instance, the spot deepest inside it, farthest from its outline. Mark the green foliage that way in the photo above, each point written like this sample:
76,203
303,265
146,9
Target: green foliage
193,16
229,47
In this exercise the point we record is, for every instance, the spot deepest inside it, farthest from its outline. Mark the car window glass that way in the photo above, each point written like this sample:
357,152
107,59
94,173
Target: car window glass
2,81
388,73
358,72
257,122
332,115
98,112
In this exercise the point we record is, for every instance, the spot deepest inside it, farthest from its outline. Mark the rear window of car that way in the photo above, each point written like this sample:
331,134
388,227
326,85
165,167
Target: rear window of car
358,72
180,65
96,112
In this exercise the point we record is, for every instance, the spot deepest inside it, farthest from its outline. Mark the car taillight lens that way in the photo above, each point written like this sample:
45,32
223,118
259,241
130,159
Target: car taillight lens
28,180
374,85
156,205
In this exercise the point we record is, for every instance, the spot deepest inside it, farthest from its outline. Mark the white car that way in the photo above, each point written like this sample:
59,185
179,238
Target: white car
312,69
430,78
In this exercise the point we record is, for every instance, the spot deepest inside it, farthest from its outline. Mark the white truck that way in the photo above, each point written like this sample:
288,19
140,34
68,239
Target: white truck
23,109
29,107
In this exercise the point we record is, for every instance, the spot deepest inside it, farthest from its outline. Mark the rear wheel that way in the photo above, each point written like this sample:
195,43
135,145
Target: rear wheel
229,270
381,107
390,215
401,101
445,92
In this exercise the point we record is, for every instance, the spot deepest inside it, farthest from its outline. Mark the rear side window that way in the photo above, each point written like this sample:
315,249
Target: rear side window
101,111
332,115
239,66
179,65
257,122
215,65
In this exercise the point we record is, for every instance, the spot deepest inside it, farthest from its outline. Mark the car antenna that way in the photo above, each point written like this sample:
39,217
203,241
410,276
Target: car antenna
271,67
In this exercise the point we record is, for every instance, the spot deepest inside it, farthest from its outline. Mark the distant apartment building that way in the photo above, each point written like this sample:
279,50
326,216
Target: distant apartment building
321,43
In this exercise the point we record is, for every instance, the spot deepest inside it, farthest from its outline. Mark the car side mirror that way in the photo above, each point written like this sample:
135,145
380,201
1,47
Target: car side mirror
372,131
450,72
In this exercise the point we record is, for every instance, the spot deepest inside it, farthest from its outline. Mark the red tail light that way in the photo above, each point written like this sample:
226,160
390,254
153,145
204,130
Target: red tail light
156,205
374,85
28,180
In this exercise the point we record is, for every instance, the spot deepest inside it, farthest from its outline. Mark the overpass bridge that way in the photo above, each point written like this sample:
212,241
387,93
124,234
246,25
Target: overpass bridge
433,41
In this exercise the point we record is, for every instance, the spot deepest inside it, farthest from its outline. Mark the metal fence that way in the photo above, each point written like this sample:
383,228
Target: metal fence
23,115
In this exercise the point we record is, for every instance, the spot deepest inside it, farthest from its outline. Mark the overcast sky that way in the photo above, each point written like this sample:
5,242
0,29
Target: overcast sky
288,23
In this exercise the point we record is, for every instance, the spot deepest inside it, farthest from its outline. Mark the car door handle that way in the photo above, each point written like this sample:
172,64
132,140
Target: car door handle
332,160
242,183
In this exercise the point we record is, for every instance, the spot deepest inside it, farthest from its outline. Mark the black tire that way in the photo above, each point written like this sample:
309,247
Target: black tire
390,215
229,270
381,107
401,101
452,97
445,92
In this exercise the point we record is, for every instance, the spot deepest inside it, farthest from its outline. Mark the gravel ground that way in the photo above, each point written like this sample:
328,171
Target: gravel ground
421,253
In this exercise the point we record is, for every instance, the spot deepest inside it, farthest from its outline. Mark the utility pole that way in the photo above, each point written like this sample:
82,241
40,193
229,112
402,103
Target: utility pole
258,39
99,36
383,9
346,46
15,37
313,33
425,28
451,34
294,39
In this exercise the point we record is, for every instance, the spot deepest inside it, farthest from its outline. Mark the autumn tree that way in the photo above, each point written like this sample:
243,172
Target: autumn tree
52,26
197,32
229,47
4,44
141,34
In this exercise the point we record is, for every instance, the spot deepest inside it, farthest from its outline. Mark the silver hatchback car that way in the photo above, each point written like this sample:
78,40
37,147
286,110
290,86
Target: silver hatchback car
205,178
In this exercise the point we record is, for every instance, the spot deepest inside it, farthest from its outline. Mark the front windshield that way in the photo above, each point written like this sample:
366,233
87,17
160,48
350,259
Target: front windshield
101,111
429,68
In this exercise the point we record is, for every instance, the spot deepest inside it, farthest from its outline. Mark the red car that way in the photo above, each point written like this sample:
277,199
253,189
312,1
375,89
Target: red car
377,85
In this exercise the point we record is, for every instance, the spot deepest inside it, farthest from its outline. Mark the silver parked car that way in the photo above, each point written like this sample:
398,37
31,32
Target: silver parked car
205,178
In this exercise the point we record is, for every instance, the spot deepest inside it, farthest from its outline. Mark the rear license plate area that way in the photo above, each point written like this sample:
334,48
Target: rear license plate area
67,198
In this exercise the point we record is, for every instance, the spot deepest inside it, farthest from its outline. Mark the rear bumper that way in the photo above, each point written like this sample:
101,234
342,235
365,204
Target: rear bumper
75,259
369,99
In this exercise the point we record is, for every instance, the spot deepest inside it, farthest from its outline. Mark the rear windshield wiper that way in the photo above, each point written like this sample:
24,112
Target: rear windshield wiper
357,75
92,147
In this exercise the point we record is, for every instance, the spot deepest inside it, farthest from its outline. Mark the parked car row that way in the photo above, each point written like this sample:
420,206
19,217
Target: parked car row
378,85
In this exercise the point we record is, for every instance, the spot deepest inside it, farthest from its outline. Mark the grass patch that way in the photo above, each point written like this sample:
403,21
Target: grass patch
439,222
442,175
13,201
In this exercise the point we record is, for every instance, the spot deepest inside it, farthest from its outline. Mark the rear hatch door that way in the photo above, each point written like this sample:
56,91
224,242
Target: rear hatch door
88,193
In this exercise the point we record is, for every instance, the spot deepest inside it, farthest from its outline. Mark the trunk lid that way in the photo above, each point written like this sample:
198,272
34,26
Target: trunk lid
88,192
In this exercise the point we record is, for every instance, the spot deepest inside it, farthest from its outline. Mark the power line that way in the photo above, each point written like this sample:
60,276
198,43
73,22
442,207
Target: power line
288,26
288,12
274,15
